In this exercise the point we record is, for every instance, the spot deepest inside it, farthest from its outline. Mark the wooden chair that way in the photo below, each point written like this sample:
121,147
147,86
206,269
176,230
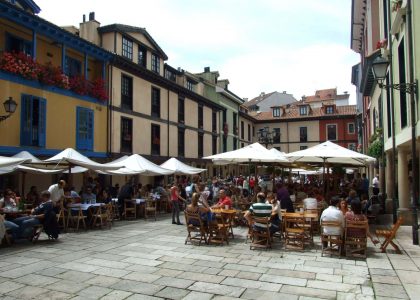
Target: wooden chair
130,209
355,238
36,233
230,221
261,238
101,216
331,243
219,230
76,218
389,236
163,203
196,229
150,208
61,218
6,240
294,231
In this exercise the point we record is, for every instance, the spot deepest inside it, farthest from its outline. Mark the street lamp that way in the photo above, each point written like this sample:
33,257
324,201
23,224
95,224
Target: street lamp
379,69
10,107
265,137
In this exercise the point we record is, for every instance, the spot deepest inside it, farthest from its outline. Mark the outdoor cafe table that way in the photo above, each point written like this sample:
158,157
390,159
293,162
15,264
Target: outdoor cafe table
10,214
230,216
86,208
309,216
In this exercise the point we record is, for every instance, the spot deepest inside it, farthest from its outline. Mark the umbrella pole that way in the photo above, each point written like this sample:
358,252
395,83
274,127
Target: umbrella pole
323,178
23,185
70,176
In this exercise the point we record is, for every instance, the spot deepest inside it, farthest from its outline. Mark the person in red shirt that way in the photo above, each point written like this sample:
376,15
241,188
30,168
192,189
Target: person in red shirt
223,200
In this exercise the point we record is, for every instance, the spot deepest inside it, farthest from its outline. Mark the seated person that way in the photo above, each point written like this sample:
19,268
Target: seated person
310,202
224,200
356,215
259,210
276,210
32,197
14,229
332,213
75,195
88,197
105,197
344,207
352,196
26,224
8,200
195,207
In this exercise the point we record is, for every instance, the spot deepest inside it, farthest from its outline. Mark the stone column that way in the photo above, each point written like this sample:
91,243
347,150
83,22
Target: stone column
389,182
403,187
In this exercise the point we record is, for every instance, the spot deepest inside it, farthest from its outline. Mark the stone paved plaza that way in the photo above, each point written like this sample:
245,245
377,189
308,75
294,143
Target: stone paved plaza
148,260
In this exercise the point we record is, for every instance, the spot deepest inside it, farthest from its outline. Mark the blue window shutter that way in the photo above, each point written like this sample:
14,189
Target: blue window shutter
42,122
25,121
90,128
78,135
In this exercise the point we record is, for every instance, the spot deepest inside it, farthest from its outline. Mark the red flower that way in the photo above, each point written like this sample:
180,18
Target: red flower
98,89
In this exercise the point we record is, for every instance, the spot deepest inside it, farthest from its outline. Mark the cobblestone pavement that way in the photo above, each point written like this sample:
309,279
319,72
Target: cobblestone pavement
148,260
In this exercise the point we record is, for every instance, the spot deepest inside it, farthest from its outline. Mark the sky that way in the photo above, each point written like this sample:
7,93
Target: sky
297,46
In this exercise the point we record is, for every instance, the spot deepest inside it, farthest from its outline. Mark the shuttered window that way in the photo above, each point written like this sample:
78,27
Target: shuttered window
84,128
33,121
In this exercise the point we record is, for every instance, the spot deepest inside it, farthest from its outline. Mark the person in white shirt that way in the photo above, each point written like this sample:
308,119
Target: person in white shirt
375,184
57,191
332,213
310,202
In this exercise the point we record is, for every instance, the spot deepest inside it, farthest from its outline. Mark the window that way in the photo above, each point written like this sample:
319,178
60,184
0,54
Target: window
170,75
235,143
214,145
155,102
242,130
303,147
249,132
303,110
127,48
33,121
200,145
181,110
155,136
224,117
350,128
214,121
303,134
126,135
276,135
72,67
235,124
278,148
224,143
17,44
84,129
190,85
402,77
329,109
253,131
351,146
126,92
242,145
155,63
276,112
200,116
181,142
142,56
331,132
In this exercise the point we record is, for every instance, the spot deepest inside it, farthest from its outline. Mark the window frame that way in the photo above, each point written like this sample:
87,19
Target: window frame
303,134
348,128
303,110
28,111
329,109
128,142
155,102
326,128
87,143
275,135
181,142
200,145
200,116
276,112
141,56
181,110
155,140
127,100
155,66
127,48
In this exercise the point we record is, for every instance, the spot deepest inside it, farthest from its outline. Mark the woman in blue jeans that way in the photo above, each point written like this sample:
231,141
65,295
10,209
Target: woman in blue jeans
175,198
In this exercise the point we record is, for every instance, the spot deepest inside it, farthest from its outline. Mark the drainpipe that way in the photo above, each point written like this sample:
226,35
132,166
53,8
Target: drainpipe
413,95
168,126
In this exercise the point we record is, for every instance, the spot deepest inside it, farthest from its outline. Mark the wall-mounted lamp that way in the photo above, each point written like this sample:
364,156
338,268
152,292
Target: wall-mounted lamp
10,107
380,68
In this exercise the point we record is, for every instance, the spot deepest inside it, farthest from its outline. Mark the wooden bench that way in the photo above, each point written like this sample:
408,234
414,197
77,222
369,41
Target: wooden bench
389,236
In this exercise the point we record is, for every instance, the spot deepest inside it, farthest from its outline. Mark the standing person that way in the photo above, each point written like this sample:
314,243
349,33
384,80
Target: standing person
365,186
251,184
175,198
375,185
57,192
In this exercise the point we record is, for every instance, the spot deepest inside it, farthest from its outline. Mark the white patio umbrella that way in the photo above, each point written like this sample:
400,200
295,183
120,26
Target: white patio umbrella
330,153
136,164
251,153
179,167
71,157
11,161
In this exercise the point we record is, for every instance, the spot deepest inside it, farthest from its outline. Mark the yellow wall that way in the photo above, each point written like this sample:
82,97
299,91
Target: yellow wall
60,121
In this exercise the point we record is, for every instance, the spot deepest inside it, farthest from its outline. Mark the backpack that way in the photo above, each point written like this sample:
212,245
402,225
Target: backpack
51,227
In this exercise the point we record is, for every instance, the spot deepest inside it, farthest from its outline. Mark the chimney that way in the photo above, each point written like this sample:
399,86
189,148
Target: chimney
89,30
206,69
223,83
245,99
262,94
284,92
